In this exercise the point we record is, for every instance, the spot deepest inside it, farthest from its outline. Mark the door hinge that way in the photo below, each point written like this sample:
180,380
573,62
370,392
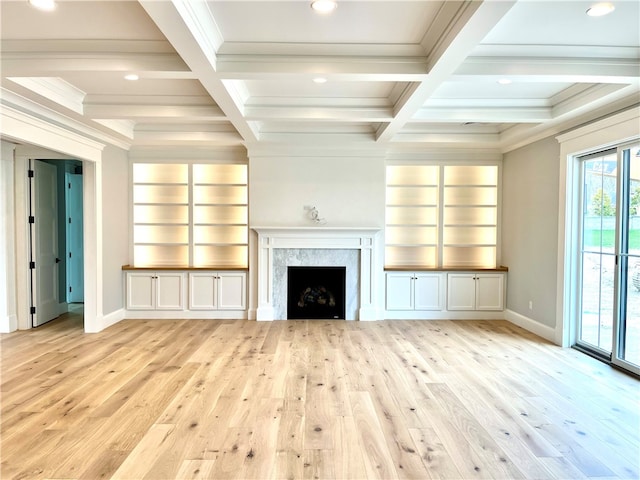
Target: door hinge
32,265
33,310
69,219
32,219
69,254
31,173
69,186
70,289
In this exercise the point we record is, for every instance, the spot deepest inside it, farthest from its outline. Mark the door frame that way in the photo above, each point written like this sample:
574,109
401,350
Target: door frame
92,236
611,132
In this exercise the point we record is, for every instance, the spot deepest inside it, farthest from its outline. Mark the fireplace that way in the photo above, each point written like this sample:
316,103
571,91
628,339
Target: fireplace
316,292
354,247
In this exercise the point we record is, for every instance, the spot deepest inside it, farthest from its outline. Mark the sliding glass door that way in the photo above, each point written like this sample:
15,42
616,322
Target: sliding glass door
609,314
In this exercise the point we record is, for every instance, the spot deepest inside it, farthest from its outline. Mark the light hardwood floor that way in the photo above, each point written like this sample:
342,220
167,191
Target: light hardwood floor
310,399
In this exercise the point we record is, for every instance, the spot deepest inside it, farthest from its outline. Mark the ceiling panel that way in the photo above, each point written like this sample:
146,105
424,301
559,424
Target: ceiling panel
566,23
352,22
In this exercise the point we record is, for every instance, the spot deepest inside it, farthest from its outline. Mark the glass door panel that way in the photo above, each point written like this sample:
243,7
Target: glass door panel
609,313
599,207
628,336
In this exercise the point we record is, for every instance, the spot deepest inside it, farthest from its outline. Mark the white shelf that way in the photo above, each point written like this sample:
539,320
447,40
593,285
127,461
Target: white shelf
190,215
441,216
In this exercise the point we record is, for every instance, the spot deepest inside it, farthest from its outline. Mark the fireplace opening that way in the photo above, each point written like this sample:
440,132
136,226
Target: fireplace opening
316,292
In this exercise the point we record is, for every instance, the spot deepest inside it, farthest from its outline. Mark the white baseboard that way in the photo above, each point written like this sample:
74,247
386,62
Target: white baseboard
544,331
443,315
112,318
8,324
185,314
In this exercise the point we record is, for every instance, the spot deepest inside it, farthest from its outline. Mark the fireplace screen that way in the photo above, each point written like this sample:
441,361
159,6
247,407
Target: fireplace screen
316,292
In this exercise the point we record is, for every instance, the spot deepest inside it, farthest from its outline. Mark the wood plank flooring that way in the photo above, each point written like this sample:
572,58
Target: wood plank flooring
316,399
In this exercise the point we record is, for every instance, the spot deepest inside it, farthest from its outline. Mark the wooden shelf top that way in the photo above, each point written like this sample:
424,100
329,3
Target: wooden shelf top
184,268
501,268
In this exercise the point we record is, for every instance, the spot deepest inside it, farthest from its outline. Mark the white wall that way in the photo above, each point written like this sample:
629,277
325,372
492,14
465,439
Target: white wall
8,318
115,229
347,191
530,231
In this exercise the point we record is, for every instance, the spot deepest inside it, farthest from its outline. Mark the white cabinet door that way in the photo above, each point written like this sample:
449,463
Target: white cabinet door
202,291
169,291
399,291
232,290
428,291
140,291
489,291
461,291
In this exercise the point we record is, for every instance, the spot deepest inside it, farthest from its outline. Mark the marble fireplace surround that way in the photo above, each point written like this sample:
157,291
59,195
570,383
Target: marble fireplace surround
331,246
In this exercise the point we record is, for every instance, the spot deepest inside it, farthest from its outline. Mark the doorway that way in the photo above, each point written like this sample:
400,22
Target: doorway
56,262
608,323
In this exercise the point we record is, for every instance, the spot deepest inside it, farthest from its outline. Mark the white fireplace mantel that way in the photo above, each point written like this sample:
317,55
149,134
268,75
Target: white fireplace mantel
365,240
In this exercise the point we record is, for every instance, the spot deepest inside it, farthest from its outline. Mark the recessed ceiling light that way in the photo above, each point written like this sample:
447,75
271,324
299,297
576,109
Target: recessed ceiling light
320,80
46,5
131,76
324,6
505,81
601,9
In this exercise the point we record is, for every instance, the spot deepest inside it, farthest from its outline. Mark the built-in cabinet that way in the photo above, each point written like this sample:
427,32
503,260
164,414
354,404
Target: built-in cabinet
442,294
415,291
475,291
155,291
185,294
217,290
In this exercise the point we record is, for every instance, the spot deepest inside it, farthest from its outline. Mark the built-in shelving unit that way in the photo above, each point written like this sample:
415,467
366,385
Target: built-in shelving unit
190,215
220,216
441,216
412,201
160,214
470,216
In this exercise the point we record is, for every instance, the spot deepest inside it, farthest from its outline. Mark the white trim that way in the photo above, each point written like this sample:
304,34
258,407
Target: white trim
443,315
8,323
8,318
185,315
21,117
544,331
92,228
55,89
112,318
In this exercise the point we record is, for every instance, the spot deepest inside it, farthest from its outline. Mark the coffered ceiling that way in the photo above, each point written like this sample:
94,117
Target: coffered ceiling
398,74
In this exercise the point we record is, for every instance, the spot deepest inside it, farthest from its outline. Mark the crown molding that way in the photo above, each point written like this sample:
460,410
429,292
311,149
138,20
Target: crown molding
12,102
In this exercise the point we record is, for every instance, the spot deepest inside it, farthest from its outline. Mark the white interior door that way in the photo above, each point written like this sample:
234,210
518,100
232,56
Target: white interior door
45,243
75,257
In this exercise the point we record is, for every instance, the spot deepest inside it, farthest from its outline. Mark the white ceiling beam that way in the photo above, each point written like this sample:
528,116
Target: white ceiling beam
457,43
317,113
338,68
153,112
530,69
450,138
172,137
55,89
52,65
191,34
483,114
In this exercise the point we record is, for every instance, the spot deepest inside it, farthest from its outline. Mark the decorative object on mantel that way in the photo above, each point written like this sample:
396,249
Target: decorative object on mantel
314,215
